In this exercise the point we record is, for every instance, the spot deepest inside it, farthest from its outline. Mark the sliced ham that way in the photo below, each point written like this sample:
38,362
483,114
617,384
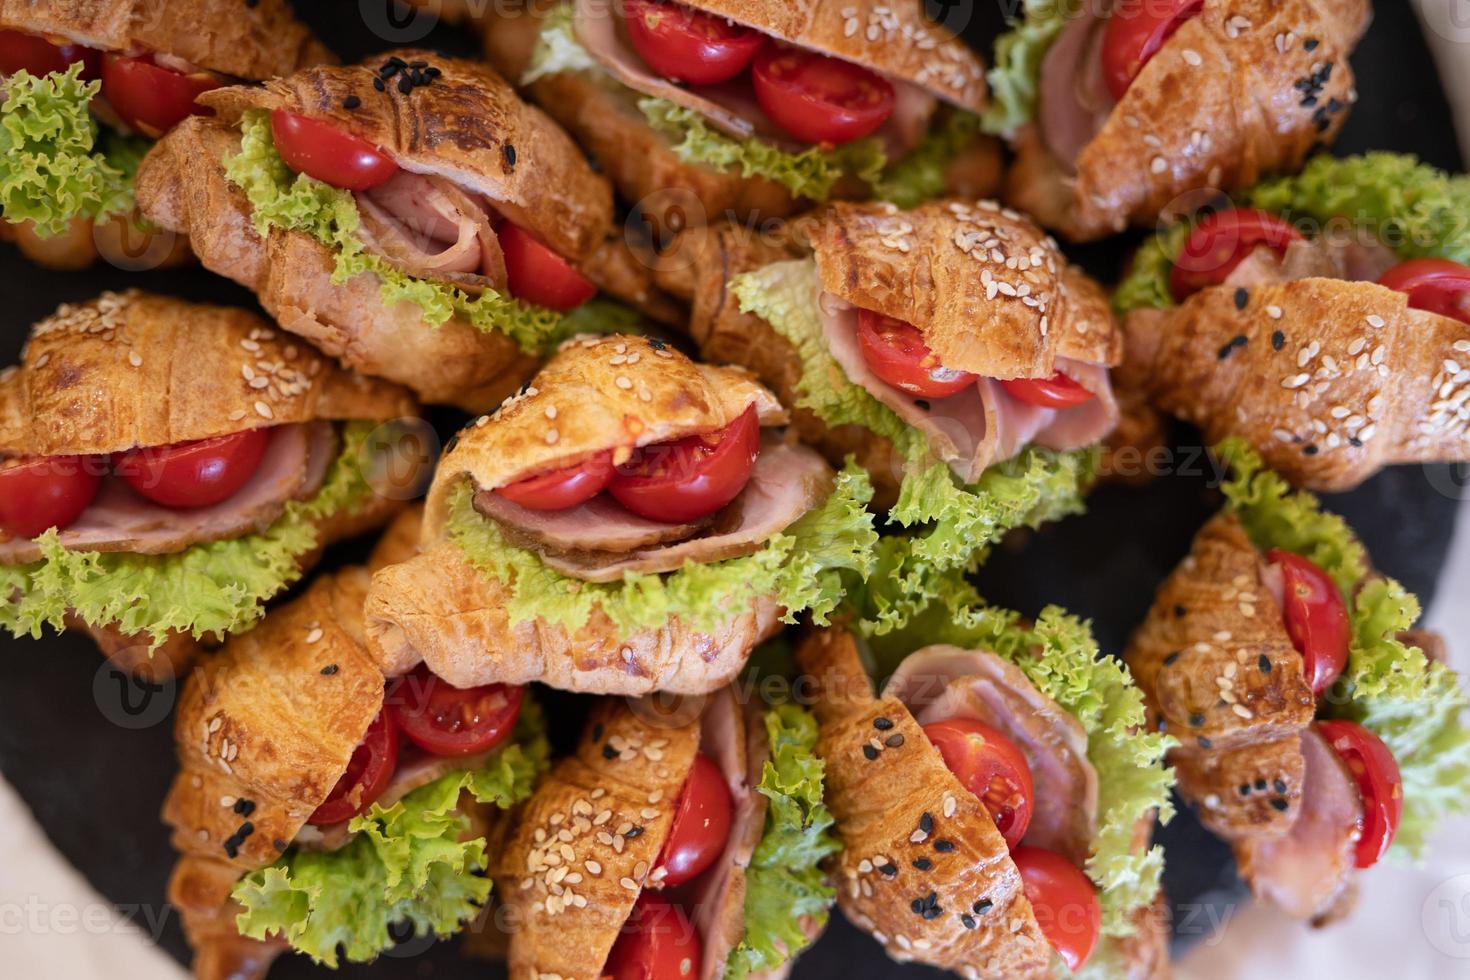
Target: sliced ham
982,425
1315,258
428,226
940,683
787,481
601,524
1074,100
293,467
1308,870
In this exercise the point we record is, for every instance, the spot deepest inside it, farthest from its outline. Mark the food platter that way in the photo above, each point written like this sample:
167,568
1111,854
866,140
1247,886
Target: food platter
92,753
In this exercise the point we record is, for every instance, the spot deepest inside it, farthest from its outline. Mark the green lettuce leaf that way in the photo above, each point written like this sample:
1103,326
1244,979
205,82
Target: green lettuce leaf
811,173
558,51
216,588
300,203
785,883
920,176
1060,656
1411,207
1416,706
1015,80
51,168
406,864
949,525
802,567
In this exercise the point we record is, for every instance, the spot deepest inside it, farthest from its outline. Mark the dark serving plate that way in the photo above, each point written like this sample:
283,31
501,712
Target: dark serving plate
92,753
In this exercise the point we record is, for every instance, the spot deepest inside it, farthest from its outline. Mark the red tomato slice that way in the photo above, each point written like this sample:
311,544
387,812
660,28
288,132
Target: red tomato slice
1065,902
43,493
152,99
992,768
820,99
538,275
688,45
1437,285
1221,242
687,479
447,720
1058,391
1135,32
562,488
1316,618
701,824
657,943
20,51
369,772
1379,783
896,352
194,474
319,149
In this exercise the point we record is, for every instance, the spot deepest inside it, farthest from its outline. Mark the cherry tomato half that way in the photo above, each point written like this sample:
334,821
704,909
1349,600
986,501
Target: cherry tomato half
368,774
688,45
687,479
1379,784
657,943
1135,32
895,351
319,149
20,51
1316,618
152,99
43,493
1437,285
562,488
194,474
447,720
538,275
701,824
1065,902
1221,242
992,768
1058,391
820,99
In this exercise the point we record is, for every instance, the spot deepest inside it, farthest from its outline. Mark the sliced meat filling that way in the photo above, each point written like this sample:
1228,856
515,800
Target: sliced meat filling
1307,871
293,467
982,425
1074,100
427,226
1329,257
940,683
786,482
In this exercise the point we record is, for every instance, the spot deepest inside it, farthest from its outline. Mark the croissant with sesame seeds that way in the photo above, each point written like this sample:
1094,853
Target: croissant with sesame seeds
1329,379
1240,90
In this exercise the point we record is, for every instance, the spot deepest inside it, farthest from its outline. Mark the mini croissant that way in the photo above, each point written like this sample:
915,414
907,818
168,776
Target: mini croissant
1329,379
1240,91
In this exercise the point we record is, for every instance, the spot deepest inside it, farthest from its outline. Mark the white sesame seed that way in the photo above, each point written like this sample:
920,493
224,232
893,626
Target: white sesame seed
1191,57
263,410
314,636
1273,311
1375,321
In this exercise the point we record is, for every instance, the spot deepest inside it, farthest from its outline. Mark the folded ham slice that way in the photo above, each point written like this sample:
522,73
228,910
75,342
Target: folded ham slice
1315,258
941,682
599,525
1074,100
786,482
983,425
429,227
293,467
1309,871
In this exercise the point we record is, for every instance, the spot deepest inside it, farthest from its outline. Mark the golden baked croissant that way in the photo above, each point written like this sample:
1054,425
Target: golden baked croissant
209,36
589,595
140,375
1240,90
416,289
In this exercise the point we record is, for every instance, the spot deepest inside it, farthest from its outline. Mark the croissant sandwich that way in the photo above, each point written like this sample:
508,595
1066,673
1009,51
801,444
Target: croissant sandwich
316,809
1314,730
1119,110
409,215
950,348
710,108
1328,323
995,802
631,522
134,68
156,517
679,842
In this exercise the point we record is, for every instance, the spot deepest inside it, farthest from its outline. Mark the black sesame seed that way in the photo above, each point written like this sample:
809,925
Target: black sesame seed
608,752
232,848
1279,803
329,670
889,870
389,68
279,845
244,807
252,4
405,85
917,906
944,846
922,404
351,102
894,741
870,753
1239,340
926,823
982,906
1355,442
1261,785
1310,449
1278,340
1196,720
657,344
1310,44
882,724
1264,663
1245,789
418,64
378,84
933,912
633,834
509,152
1163,724
923,864
1180,612
1279,785
1242,297
1169,660
968,921
1204,743
432,72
